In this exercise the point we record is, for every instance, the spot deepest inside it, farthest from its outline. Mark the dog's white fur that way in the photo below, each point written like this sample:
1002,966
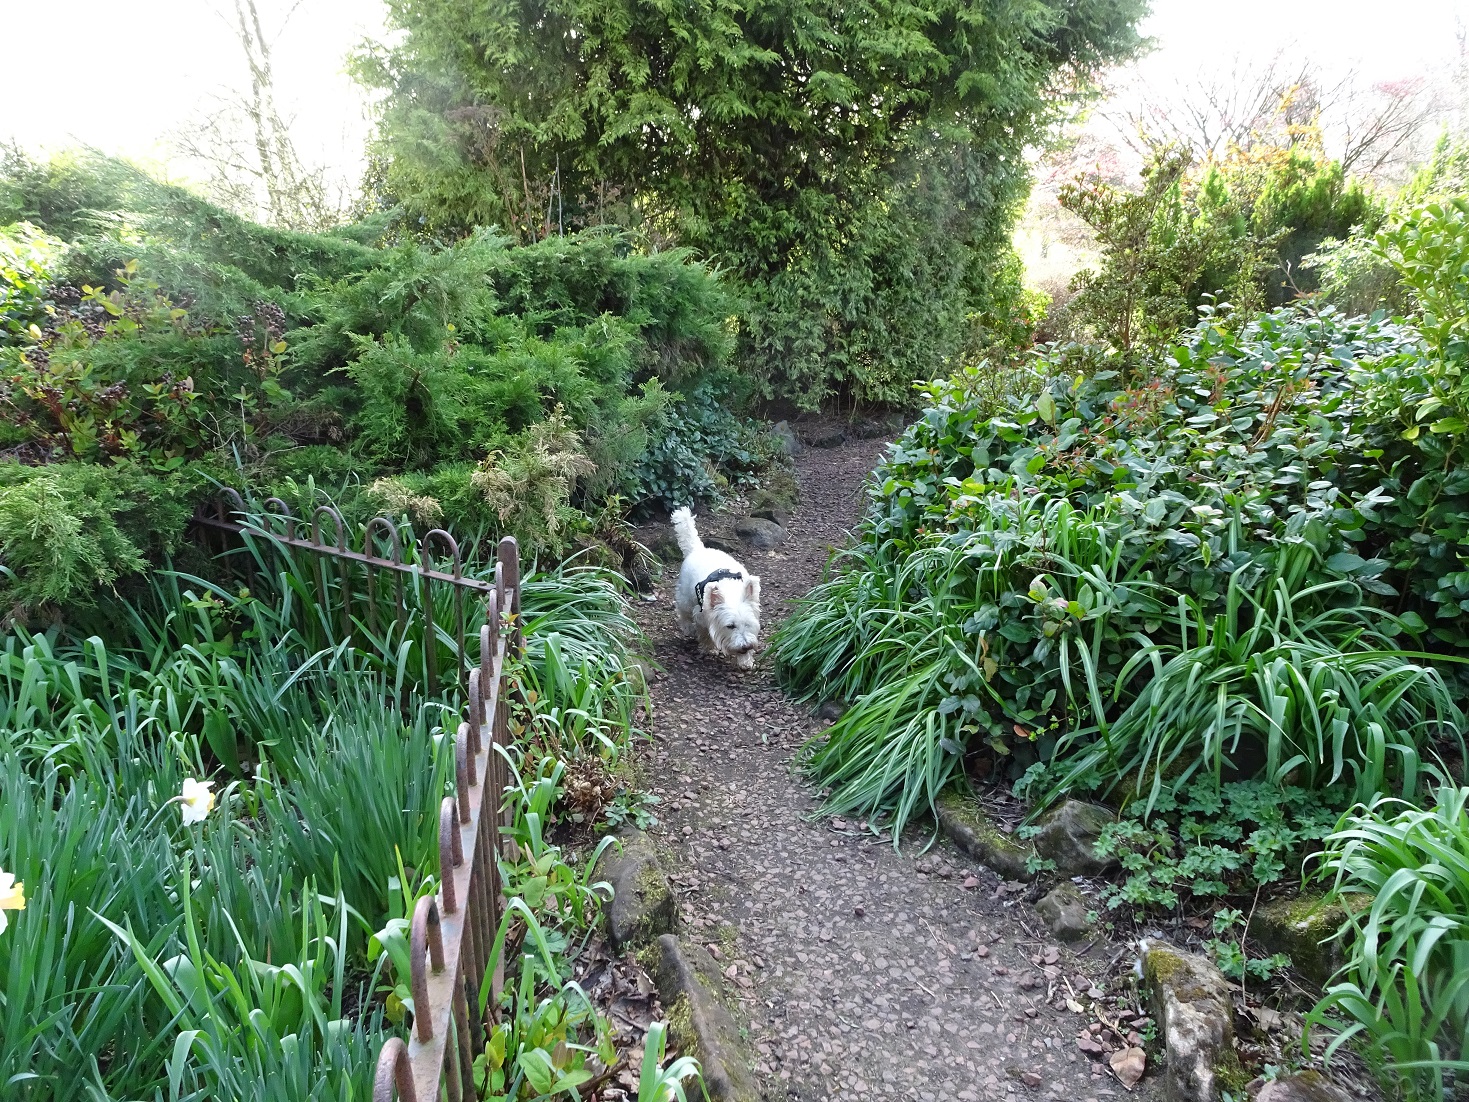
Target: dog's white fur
728,621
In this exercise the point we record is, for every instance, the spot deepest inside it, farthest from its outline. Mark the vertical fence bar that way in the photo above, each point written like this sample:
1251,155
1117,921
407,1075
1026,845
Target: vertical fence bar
453,932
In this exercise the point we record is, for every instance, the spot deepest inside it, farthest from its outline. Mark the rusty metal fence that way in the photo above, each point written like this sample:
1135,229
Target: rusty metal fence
453,931
346,578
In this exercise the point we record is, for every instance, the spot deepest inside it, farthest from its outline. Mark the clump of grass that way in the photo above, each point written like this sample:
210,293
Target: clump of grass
1290,683
1403,873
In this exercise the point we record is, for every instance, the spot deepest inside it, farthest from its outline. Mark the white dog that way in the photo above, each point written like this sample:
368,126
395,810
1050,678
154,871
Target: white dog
717,599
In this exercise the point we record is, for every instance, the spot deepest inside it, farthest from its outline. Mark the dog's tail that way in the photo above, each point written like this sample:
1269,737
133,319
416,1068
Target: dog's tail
683,528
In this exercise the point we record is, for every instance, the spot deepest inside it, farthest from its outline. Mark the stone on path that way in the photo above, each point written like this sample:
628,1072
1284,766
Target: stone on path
1068,836
1191,1003
761,534
1065,911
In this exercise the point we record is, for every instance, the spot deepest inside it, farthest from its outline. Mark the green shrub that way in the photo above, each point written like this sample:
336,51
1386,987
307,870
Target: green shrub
861,237
171,336
69,531
1231,230
1128,584
28,261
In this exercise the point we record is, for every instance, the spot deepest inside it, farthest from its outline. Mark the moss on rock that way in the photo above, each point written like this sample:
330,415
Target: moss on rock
1303,927
965,824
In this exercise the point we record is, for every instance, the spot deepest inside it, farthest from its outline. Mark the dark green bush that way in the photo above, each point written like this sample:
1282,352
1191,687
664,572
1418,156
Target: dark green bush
1233,230
411,377
68,531
855,170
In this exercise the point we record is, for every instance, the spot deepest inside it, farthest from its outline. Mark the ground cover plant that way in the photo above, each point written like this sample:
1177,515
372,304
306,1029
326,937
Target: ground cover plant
152,345
217,818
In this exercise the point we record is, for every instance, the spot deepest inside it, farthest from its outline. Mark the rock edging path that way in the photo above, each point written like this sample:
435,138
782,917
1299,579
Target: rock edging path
861,972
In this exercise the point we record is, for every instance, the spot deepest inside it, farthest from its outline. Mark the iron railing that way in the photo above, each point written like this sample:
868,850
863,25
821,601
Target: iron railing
453,931
276,524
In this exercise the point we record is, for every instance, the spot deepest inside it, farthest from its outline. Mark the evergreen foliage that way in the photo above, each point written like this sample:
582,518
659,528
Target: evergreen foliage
856,167
150,342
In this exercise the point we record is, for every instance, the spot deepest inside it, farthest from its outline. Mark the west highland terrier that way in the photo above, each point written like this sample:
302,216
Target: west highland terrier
717,600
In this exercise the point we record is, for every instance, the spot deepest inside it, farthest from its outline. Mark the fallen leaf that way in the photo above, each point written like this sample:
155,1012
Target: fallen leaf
1128,1065
1073,1006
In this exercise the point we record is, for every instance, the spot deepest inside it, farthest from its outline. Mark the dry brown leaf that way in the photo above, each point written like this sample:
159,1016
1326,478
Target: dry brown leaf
1128,1065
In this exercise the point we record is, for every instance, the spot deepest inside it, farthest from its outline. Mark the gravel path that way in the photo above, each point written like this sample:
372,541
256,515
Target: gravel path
864,973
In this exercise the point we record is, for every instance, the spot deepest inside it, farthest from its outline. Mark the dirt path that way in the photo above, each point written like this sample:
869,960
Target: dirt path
864,973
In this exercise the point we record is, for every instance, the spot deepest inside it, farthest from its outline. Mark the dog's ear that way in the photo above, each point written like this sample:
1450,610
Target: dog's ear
714,597
752,590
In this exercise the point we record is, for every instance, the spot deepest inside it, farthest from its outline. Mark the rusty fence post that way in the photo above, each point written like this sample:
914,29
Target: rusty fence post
453,932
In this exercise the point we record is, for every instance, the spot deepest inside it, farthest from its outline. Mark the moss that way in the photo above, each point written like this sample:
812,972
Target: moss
986,842
1165,967
649,957
1302,927
656,909
650,884
681,1029
1233,1076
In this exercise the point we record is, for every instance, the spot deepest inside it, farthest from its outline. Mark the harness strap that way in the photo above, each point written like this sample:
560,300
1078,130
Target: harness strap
722,574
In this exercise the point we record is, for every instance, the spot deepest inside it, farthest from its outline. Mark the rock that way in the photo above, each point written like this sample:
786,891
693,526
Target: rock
867,428
1030,1079
759,533
640,674
1065,911
1305,1086
822,434
643,903
664,547
769,506
1301,927
719,543
1191,1002
965,824
831,710
689,984
790,443
1068,836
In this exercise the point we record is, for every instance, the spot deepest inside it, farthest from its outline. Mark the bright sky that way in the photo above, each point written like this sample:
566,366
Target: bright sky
127,75
124,76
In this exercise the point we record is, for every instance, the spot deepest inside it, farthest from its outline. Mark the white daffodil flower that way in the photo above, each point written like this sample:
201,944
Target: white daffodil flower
196,801
12,897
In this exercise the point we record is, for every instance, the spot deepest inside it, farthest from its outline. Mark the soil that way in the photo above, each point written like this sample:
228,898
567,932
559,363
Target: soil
861,971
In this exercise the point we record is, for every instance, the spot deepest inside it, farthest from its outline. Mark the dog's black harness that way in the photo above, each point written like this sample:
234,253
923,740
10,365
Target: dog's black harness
718,576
